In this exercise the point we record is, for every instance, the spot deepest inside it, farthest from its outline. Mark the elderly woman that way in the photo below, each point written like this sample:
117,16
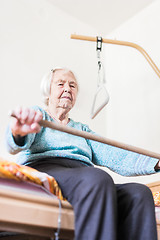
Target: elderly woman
103,210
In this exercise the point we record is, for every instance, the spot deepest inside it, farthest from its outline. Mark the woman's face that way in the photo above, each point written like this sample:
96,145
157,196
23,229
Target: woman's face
64,90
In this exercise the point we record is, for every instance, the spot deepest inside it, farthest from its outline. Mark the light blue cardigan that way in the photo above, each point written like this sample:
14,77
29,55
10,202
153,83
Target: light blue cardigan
52,143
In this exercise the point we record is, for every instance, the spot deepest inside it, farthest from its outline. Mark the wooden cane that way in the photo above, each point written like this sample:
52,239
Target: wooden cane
87,135
124,43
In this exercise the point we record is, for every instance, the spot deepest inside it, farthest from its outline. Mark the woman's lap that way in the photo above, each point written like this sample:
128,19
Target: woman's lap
87,188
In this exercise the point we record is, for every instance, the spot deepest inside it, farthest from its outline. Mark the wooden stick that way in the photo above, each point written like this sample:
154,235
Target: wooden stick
90,136
124,43
86,135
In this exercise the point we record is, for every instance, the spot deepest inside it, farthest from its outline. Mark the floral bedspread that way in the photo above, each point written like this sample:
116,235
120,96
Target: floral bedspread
24,173
17,172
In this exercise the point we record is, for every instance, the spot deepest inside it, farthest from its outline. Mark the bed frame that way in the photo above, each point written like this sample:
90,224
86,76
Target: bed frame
28,209
155,187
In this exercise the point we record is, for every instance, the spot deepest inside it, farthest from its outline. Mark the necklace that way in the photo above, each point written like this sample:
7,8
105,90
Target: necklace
50,115
55,118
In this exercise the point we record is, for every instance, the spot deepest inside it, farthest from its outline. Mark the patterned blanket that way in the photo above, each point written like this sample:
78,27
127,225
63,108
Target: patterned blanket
17,172
156,196
23,173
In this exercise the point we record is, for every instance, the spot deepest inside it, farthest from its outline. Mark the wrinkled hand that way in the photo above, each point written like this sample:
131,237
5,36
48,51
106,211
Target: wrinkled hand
26,121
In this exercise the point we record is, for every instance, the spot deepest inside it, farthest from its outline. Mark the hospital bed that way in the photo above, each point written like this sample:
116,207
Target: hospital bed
29,208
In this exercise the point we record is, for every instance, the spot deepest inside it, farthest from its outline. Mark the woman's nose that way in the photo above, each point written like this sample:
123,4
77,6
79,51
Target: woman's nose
67,88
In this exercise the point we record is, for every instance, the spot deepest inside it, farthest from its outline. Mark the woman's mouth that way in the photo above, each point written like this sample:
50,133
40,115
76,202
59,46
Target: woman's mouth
66,97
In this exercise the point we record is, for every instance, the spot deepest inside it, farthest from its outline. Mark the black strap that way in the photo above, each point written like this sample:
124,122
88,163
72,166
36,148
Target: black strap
99,44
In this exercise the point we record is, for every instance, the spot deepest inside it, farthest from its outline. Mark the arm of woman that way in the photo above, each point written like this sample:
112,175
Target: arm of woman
122,161
22,129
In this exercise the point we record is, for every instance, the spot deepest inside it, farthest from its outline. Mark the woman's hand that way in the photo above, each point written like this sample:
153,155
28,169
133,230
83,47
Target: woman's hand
26,121
157,167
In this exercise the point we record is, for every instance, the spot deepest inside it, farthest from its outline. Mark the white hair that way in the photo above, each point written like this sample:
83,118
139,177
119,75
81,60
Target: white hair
46,83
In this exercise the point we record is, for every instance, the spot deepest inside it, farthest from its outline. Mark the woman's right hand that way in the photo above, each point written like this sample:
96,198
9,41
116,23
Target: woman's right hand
26,121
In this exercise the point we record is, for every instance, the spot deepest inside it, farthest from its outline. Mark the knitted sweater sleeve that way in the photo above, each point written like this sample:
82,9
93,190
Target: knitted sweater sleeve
14,148
121,161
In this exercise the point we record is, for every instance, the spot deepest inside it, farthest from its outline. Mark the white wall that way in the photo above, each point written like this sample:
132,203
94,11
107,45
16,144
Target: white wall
133,114
34,38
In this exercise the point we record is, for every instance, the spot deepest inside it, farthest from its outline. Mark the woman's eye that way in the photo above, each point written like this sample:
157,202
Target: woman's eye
60,84
72,86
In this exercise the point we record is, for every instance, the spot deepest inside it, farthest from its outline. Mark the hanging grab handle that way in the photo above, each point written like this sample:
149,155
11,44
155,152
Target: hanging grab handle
101,89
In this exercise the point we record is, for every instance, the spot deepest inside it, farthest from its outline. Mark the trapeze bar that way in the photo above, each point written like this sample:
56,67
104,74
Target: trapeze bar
124,43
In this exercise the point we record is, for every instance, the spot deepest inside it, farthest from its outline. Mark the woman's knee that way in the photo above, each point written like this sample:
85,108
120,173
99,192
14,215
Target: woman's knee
140,193
93,184
97,177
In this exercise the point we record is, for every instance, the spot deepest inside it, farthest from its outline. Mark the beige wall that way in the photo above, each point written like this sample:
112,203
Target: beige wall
34,38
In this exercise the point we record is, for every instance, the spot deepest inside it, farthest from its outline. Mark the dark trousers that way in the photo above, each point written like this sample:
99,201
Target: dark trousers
103,210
